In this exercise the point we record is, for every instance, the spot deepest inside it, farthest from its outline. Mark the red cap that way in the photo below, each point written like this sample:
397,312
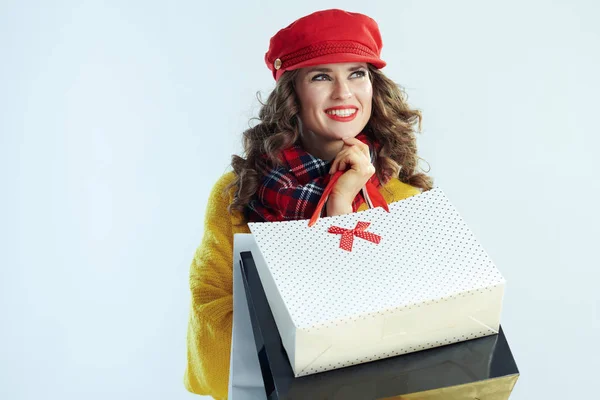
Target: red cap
325,37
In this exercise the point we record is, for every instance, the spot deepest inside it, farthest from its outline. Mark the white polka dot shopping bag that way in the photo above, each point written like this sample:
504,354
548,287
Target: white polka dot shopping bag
374,284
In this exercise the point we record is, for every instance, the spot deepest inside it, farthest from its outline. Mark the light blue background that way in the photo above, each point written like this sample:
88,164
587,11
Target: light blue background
117,117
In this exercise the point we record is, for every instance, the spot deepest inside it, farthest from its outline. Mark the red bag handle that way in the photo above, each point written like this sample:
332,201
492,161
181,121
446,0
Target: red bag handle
370,192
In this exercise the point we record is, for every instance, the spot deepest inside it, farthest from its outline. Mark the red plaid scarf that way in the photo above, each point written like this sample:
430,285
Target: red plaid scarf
291,191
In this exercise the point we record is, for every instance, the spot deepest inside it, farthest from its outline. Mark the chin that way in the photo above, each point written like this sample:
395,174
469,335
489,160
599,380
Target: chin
339,133
347,134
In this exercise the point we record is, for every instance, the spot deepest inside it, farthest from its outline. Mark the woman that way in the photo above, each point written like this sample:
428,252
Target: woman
332,110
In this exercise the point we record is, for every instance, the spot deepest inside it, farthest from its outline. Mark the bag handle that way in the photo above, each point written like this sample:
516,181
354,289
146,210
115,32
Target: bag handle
370,193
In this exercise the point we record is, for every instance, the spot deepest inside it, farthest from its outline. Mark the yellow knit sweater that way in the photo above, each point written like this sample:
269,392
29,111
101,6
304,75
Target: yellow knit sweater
211,284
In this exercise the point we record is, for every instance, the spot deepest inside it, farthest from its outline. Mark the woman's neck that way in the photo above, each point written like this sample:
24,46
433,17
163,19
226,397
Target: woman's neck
320,147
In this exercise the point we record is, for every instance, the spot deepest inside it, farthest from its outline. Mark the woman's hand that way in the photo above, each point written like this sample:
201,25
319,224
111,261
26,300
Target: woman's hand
355,157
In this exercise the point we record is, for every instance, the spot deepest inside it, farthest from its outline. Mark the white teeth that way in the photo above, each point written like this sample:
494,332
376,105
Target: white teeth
342,113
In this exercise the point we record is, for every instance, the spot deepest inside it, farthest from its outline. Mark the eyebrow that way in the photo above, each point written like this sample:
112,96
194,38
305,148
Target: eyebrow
317,69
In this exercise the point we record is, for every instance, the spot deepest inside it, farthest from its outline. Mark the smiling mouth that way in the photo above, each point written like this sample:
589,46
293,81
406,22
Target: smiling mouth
346,112
342,114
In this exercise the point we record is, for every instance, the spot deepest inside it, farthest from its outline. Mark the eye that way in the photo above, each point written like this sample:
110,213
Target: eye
321,77
359,74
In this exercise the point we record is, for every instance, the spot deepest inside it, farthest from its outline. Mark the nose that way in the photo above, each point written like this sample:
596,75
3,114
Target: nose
341,90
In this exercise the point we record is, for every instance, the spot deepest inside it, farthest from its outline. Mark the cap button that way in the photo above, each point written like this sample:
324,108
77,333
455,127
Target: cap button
277,64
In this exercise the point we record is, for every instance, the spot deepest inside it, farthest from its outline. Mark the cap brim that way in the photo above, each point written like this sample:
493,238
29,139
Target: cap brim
334,59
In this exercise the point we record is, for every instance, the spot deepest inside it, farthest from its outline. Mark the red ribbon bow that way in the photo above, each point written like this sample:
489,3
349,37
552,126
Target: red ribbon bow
348,234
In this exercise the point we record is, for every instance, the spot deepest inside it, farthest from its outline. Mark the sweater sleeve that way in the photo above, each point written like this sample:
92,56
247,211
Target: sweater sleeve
210,321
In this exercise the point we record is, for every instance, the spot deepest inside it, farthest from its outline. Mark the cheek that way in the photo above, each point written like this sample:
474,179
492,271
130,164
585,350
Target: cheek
312,99
365,95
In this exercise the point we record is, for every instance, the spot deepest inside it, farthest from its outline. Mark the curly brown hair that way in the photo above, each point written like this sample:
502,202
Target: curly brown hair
392,124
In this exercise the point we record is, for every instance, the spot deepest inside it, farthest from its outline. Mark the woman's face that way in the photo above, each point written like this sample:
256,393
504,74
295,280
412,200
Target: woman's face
335,99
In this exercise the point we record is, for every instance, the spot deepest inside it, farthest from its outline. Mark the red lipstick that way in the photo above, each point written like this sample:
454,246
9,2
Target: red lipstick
339,117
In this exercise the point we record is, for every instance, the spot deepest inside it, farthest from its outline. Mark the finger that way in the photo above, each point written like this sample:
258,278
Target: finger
349,159
360,145
354,156
362,152
359,163
343,164
352,160
367,152
335,165
352,141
